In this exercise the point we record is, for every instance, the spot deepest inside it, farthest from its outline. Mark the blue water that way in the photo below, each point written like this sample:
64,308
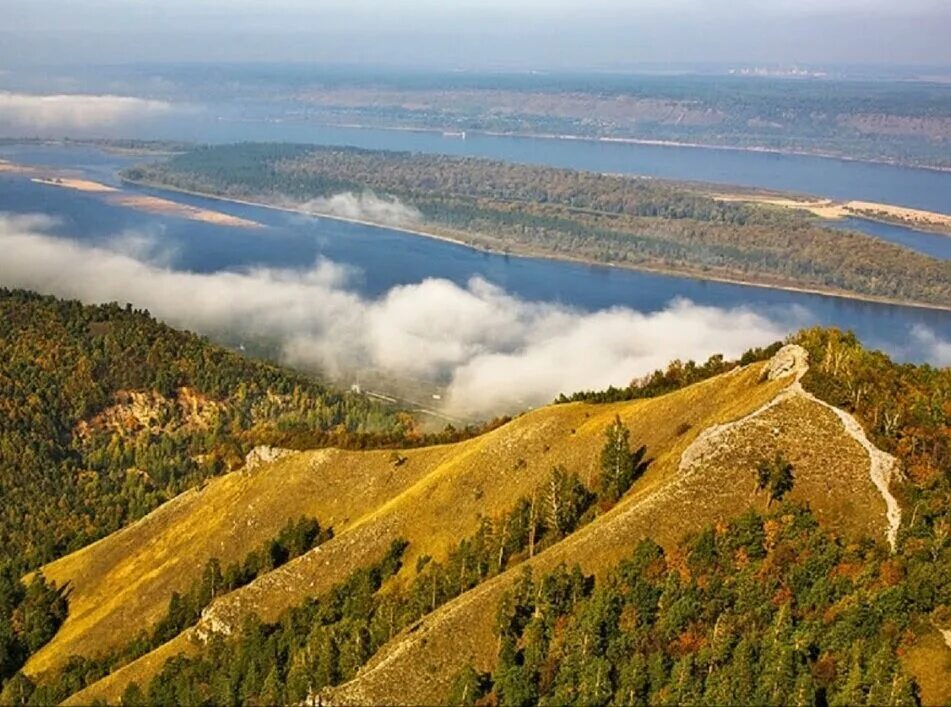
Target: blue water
933,244
383,258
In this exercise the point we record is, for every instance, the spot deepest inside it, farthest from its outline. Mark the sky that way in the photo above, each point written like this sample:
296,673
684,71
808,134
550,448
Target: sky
479,34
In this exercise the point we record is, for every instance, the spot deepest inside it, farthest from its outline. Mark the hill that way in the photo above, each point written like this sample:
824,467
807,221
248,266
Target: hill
106,413
561,213
492,566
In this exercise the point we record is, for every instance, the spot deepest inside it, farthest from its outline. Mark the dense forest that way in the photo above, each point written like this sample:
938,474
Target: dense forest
105,413
640,223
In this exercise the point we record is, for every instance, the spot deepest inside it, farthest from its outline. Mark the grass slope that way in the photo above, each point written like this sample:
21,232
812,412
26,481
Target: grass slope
437,497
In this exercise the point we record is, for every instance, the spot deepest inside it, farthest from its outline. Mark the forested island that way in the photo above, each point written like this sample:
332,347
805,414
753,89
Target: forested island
553,212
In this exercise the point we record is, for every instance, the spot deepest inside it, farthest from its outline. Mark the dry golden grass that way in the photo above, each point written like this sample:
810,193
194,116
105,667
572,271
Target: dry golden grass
111,687
419,666
436,498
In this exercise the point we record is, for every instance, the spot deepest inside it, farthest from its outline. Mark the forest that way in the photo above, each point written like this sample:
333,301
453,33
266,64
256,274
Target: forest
324,641
105,413
855,114
600,218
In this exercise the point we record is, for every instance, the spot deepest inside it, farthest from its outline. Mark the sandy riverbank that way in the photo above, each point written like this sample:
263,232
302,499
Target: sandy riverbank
145,202
919,219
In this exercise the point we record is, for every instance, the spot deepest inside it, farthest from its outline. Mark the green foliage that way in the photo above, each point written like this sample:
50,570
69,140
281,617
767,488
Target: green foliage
30,614
750,627
676,376
70,473
906,410
620,467
775,476
468,687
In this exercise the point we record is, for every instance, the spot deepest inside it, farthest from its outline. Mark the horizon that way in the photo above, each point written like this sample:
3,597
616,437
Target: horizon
544,36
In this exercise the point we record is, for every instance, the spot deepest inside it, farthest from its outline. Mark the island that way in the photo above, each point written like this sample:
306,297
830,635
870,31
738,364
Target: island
641,223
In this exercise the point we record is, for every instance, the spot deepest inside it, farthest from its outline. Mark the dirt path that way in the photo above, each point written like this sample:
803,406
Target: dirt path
882,466
793,360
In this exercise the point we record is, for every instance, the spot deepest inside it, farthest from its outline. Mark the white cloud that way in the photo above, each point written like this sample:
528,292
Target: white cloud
75,111
366,206
494,351
935,349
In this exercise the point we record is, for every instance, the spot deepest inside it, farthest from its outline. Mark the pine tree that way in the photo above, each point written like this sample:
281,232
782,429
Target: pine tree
775,476
616,461
467,688
272,691
852,690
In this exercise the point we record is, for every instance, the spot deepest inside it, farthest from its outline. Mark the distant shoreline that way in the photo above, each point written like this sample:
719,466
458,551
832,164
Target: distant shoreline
649,142
541,254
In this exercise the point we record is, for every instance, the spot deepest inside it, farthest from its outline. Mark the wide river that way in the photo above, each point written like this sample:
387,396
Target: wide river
838,179
384,258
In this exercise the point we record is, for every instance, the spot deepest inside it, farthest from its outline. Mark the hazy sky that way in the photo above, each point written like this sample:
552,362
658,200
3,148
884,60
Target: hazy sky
517,34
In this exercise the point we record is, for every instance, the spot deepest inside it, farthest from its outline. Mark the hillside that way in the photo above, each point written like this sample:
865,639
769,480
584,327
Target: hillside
106,413
561,213
387,595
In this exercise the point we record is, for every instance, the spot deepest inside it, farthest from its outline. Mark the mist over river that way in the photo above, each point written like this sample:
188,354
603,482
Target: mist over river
377,260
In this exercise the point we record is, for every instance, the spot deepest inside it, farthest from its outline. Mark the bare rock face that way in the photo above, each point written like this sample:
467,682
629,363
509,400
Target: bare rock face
264,454
790,360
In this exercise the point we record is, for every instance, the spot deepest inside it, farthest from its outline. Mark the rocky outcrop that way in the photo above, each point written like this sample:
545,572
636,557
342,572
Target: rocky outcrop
264,454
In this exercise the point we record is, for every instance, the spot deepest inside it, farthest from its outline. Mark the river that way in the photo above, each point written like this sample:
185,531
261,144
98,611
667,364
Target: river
383,258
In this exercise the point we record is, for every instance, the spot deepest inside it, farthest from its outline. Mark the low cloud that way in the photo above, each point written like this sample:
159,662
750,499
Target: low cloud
935,349
365,206
75,111
493,351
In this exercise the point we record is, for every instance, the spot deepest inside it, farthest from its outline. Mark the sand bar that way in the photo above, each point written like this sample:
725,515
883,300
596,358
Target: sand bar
152,204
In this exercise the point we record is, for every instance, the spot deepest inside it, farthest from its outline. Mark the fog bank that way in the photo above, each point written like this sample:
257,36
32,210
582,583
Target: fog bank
492,350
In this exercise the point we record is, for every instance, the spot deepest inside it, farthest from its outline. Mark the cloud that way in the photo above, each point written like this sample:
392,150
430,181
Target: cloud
75,111
366,206
935,349
494,351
